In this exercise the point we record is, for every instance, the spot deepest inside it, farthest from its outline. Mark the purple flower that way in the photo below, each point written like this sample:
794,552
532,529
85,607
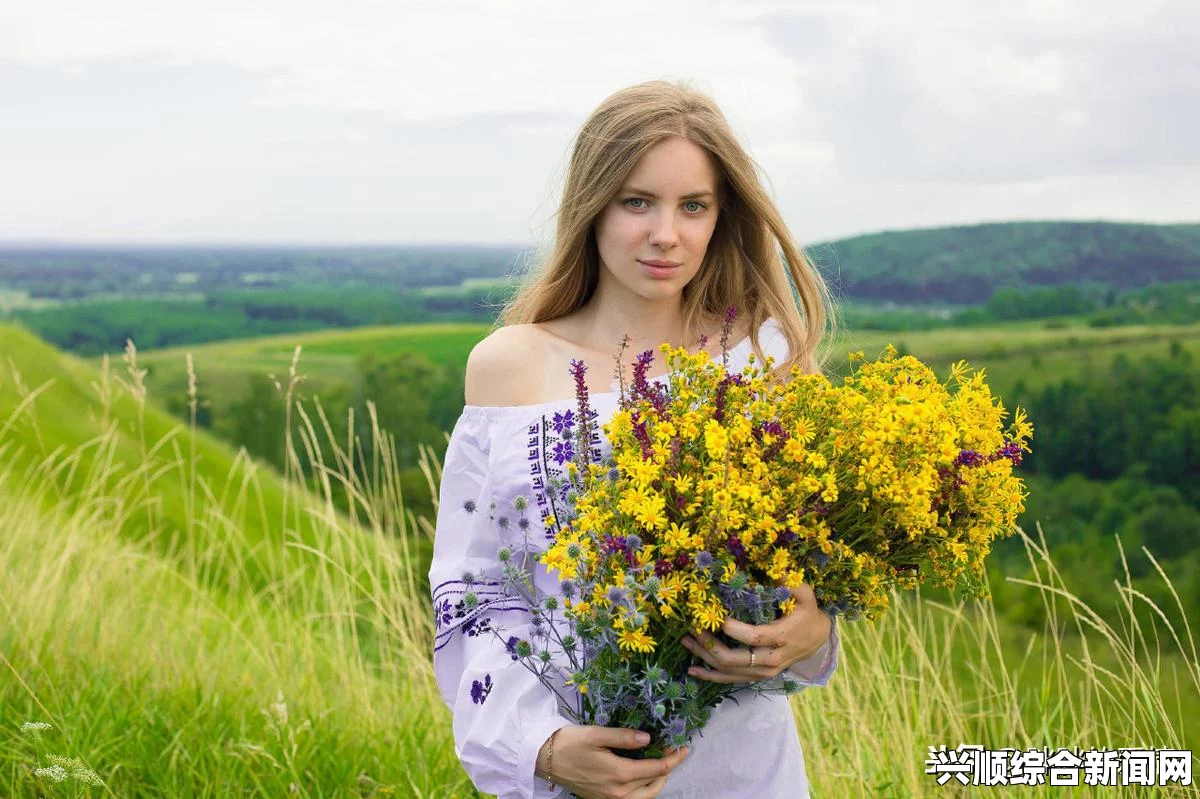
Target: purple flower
969,457
727,328
642,435
511,646
1010,450
703,559
641,388
737,549
676,727
618,596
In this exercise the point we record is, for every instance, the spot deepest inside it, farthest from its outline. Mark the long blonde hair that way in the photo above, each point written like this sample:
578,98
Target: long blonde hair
743,265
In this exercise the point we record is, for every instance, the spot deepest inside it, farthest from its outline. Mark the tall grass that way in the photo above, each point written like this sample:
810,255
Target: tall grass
197,659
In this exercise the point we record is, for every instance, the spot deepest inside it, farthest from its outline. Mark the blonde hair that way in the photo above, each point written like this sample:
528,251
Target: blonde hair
742,267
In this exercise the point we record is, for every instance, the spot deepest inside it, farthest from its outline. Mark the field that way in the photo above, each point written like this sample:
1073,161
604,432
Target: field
1026,351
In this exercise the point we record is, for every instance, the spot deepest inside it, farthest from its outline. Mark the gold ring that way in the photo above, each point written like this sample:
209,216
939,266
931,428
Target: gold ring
751,657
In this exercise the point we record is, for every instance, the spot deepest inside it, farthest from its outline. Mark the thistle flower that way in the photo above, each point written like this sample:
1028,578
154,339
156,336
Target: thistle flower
618,597
675,728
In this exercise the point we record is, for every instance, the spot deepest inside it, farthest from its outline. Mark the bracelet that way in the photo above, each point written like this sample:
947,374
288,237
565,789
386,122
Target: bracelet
549,756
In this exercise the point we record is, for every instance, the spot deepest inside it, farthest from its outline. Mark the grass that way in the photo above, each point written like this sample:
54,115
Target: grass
205,651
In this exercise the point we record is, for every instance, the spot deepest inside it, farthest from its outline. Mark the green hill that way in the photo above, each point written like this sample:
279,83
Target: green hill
964,265
68,429
186,622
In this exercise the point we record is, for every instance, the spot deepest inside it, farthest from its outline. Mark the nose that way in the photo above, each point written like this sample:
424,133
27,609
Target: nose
662,230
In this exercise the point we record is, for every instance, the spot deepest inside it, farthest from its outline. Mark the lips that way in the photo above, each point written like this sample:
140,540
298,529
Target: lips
661,264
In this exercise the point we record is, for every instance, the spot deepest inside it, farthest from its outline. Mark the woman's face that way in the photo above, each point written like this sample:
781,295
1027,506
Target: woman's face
652,237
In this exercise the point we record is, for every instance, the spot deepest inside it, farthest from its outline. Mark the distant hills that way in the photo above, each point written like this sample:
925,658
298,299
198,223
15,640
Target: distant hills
961,265
965,265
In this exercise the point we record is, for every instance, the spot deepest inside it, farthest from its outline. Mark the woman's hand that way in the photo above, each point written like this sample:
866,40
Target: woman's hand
584,762
787,640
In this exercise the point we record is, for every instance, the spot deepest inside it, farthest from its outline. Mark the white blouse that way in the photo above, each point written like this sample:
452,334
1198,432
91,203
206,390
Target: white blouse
502,712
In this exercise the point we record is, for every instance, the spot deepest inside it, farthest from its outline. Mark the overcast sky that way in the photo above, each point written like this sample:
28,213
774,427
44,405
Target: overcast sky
293,121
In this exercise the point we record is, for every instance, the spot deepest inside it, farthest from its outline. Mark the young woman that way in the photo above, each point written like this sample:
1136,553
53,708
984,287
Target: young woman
663,225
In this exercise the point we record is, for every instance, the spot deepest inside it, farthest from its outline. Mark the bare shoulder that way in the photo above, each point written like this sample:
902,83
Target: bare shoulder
501,368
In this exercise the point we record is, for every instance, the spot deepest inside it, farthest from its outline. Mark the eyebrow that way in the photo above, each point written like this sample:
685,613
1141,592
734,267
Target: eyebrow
692,196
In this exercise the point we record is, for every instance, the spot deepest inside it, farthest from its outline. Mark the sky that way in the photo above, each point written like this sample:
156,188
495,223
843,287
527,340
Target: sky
298,122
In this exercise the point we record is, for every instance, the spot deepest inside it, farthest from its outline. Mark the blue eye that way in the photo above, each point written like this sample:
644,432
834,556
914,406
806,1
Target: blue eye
699,204
634,200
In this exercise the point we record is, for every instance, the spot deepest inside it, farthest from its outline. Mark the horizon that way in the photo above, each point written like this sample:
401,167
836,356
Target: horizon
34,244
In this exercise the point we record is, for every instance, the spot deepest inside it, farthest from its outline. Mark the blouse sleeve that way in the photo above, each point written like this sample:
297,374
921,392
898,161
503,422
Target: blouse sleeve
502,712
817,668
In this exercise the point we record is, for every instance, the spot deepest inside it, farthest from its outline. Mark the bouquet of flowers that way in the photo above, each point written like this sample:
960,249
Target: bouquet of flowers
725,491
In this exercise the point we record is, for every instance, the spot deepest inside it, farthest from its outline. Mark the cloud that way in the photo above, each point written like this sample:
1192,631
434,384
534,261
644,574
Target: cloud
971,93
422,61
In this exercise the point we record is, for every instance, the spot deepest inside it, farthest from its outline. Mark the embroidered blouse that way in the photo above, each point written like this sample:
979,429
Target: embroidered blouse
496,491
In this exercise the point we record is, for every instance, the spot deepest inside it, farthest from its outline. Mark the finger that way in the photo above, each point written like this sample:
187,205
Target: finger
619,737
639,772
755,635
651,790
720,676
711,650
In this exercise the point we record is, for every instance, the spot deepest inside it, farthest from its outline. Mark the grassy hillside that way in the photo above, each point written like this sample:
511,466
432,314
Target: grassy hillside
68,428
966,264
160,664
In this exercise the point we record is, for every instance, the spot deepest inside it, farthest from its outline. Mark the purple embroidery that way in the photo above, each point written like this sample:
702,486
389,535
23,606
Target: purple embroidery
477,626
548,454
451,612
442,615
480,690
563,452
511,646
563,422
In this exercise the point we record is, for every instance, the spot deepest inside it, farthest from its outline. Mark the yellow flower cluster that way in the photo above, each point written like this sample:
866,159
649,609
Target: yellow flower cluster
736,484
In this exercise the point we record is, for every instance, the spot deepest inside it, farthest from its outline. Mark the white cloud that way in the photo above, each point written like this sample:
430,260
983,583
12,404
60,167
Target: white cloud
422,61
